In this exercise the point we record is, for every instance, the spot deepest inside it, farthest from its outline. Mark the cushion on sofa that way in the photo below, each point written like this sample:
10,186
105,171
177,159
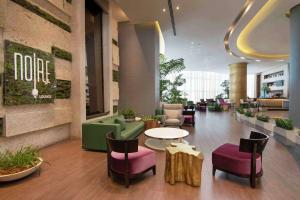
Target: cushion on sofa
121,122
132,129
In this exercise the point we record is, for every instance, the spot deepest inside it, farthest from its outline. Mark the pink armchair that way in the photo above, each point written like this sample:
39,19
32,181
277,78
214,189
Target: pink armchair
244,160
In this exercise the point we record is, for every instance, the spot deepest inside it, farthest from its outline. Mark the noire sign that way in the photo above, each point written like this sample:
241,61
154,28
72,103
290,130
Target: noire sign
29,75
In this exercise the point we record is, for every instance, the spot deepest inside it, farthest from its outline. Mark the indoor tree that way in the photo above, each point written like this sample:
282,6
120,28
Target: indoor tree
225,85
169,91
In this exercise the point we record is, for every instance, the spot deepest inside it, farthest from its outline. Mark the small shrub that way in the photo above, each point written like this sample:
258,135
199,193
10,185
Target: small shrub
240,110
286,124
253,105
129,113
263,118
249,114
244,105
20,160
215,107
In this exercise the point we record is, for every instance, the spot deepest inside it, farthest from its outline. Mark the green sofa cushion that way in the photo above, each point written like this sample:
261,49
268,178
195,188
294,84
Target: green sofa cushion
121,122
132,130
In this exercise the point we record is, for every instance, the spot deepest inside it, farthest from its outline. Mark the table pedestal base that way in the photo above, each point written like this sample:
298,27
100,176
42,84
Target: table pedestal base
160,144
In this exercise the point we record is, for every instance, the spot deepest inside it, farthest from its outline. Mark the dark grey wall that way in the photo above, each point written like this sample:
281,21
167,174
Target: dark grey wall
139,67
294,90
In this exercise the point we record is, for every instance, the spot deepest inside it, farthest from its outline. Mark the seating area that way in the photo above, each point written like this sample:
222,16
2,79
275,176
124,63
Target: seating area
139,99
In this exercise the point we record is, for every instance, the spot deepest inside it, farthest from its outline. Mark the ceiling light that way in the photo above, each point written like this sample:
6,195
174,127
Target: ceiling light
164,10
281,60
243,58
177,7
230,53
257,60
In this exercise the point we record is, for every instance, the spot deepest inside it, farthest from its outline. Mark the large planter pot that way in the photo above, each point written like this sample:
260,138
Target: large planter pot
22,174
251,120
254,110
266,125
288,134
243,117
298,139
151,124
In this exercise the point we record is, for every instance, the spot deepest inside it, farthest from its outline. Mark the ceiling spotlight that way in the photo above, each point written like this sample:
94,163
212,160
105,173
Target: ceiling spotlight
177,7
257,60
281,60
243,58
230,53
164,10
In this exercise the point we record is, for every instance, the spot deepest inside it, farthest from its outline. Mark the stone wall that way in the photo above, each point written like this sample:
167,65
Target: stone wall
45,124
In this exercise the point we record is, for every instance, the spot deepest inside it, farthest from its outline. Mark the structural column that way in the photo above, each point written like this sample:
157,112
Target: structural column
295,65
238,82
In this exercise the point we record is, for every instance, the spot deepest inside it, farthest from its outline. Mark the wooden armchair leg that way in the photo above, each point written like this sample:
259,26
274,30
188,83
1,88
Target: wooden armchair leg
127,182
214,171
154,170
252,182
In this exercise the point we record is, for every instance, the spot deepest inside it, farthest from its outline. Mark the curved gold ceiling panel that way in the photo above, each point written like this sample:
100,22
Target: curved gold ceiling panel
243,39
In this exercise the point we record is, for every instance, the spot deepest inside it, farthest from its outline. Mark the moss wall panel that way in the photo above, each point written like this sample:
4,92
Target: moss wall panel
32,30
22,76
63,89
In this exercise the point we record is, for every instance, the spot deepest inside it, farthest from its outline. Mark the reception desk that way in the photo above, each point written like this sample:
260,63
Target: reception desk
273,103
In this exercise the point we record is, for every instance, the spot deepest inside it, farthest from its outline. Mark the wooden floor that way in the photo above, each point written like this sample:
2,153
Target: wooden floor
72,173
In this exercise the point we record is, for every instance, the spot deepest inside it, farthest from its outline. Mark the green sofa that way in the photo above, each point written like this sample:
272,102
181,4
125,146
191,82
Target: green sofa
93,133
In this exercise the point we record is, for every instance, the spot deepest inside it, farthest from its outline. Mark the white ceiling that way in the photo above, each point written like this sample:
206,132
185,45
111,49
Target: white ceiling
201,26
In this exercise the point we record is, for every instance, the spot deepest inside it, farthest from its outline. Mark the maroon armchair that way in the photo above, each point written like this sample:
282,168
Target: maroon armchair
244,160
126,158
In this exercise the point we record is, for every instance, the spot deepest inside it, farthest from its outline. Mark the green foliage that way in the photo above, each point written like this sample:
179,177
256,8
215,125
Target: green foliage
24,158
115,108
226,85
219,96
240,110
40,12
249,114
169,91
62,54
263,118
17,92
214,107
285,124
128,113
245,106
253,105
63,89
150,117
115,76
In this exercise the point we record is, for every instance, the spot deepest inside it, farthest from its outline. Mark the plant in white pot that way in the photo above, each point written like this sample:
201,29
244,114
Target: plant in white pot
250,117
128,114
264,122
285,128
239,113
253,107
17,165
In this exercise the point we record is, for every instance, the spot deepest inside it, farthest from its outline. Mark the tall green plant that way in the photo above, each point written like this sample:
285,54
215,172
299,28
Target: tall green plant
226,85
169,91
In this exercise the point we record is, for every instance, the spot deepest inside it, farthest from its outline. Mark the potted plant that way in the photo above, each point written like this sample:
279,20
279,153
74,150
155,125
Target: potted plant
215,107
129,115
245,107
264,122
239,112
19,164
253,107
250,117
151,121
285,128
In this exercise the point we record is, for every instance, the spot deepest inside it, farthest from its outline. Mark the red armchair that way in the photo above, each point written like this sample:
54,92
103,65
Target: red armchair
244,160
126,158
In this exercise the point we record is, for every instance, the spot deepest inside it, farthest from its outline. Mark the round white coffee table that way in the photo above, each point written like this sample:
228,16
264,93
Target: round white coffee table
160,138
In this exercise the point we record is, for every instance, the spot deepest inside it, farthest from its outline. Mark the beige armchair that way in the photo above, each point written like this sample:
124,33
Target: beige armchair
173,115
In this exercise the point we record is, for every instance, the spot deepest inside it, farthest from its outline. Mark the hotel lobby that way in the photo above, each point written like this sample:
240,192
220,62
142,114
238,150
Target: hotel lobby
139,99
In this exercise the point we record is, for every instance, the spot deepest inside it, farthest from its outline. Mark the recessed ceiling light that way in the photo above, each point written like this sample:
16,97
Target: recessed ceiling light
177,7
243,58
257,60
281,60
230,53
192,42
164,10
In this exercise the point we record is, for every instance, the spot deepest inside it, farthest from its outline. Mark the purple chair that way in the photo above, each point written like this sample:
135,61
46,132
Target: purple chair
126,158
244,160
